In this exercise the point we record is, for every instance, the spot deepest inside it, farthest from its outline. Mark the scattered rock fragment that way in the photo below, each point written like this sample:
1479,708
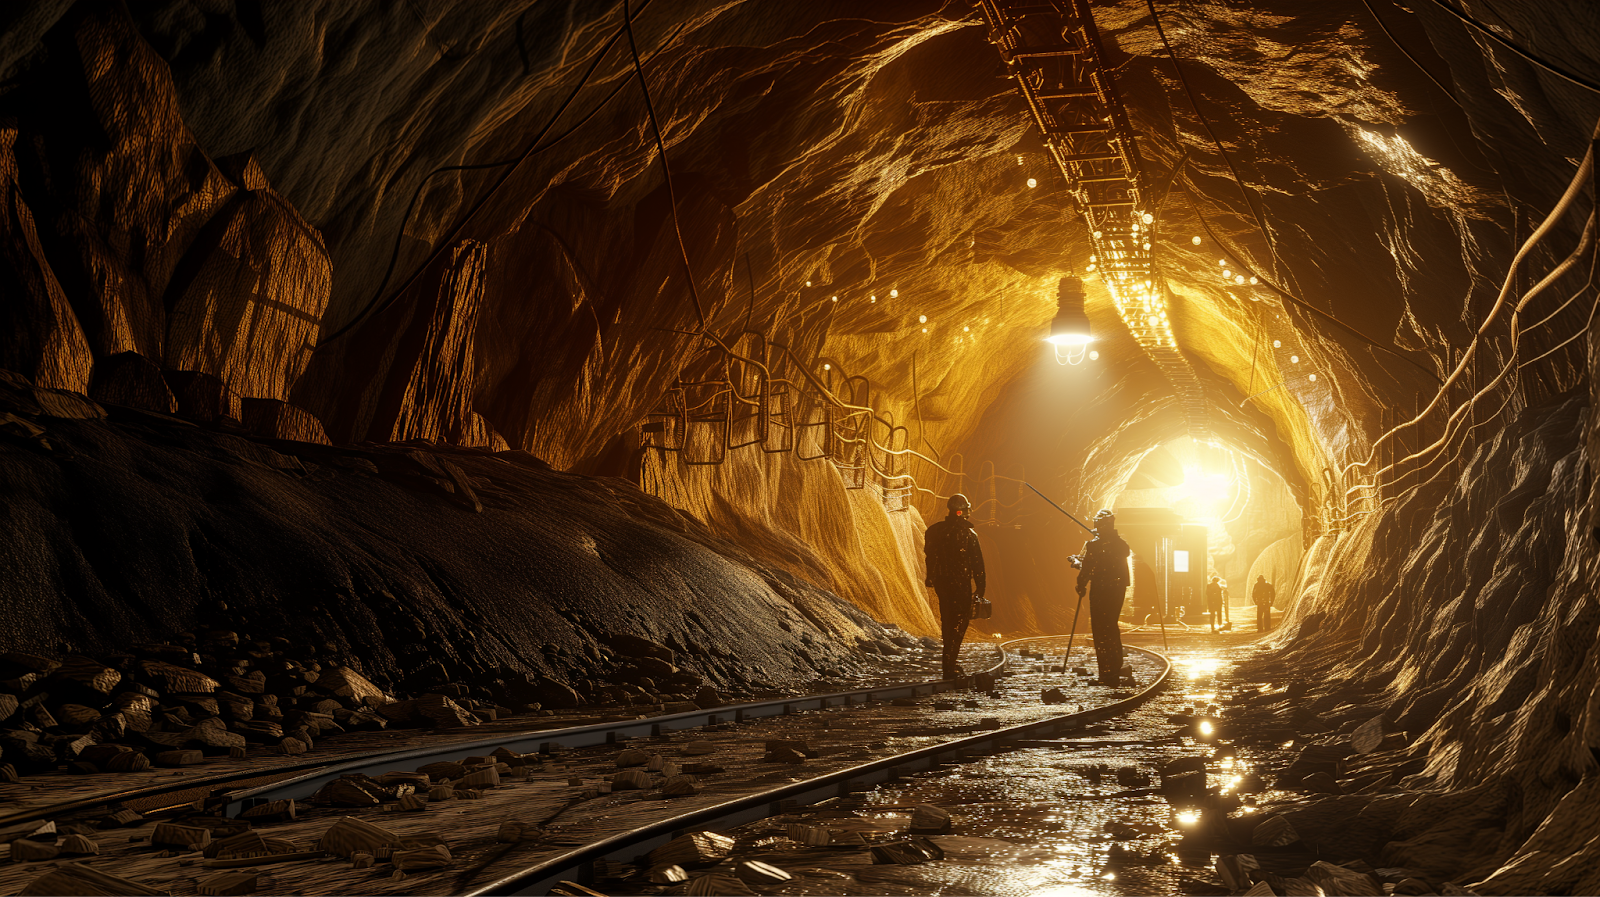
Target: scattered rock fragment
906,853
1274,831
758,874
434,857
78,845
26,851
666,875
630,780
693,849
73,879
349,835
928,819
181,837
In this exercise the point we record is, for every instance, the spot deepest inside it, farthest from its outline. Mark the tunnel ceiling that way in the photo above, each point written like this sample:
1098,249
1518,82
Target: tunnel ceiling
494,164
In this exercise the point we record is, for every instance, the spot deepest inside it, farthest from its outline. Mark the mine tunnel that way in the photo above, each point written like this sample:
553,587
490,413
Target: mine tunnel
1058,447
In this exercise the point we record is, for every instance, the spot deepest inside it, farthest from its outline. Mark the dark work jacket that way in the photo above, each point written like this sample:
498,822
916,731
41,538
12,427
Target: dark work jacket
1263,594
955,559
1105,561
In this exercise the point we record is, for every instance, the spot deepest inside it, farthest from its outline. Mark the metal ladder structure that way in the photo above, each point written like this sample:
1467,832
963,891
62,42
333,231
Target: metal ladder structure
1053,52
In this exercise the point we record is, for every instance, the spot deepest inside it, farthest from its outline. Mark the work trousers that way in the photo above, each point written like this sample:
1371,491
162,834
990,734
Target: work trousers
955,614
1263,617
1105,606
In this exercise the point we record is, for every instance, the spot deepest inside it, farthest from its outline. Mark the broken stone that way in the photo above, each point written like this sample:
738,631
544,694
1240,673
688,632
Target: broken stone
229,883
758,874
699,748
439,772
411,803
350,835
809,835
717,884
1274,831
122,817
25,851
181,837
1320,783
488,777
666,875
435,857
679,786
1338,881
78,845
906,853
362,860
693,849
443,712
349,791
277,809
630,780
930,820
441,792
1236,871
345,682
632,757
176,679
73,879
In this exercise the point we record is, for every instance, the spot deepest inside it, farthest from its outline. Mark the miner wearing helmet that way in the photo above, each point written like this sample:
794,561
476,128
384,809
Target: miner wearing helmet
1103,573
955,571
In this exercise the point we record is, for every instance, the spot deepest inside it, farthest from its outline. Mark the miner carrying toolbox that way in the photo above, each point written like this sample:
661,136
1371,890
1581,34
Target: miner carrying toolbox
1103,573
955,571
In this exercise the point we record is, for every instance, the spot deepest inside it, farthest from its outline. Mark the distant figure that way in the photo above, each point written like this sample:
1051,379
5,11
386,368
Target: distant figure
1103,572
1263,595
955,571
1214,602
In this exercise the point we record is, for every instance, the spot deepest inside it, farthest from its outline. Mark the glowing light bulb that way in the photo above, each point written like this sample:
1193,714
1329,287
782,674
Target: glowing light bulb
1226,274
1195,240
1147,218
1294,359
1277,344
1239,280
966,329
1313,378
836,298
1254,281
1094,355
922,319
1097,235
872,298
1033,182
1206,728
1222,263
827,367
808,283
1091,267
924,330
894,294
1147,247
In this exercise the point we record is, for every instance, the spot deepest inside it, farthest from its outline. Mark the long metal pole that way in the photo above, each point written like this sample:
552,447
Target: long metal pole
1061,509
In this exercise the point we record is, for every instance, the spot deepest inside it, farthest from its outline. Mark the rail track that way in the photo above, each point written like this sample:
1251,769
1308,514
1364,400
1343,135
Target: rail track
577,863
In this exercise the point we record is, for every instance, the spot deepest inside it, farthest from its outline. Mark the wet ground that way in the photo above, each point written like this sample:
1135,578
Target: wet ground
1050,817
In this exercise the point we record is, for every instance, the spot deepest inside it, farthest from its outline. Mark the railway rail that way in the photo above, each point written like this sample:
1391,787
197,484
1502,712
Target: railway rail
578,865
305,779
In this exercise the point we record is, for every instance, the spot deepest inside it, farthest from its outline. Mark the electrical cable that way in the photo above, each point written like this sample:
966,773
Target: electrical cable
374,305
1407,53
666,170
1548,66
1205,123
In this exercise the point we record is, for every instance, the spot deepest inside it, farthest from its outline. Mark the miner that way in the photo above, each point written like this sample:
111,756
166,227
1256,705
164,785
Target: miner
1103,574
1215,598
1263,594
955,571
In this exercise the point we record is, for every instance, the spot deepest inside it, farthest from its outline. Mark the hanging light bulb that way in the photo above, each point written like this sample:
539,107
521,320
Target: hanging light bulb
966,329
1294,359
1195,240
1032,182
1147,218
922,319
1313,378
827,367
894,294
1254,281
1097,235
1094,355
836,298
808,283
1239,280
1071,324
872,299
1277,344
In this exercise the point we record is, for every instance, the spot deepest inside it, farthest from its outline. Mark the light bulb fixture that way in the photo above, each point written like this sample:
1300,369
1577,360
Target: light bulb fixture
922,319
1033,182
808,283
1277,344
827,367
836,298
1313,378
894,294
1195,240
872,299
965,329
1094,355
1254,281
1070,330
1294,359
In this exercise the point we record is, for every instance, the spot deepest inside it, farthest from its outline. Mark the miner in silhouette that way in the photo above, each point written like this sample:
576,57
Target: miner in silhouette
955,571
1214,593
1262,593
1103,574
